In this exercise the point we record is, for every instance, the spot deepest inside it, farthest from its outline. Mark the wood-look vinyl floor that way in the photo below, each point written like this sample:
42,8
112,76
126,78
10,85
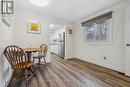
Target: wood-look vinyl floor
74,73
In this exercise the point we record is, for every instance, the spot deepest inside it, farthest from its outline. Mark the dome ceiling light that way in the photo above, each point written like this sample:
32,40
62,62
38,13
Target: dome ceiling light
40,3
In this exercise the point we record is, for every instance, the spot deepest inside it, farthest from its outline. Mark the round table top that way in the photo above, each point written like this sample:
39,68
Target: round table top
31,49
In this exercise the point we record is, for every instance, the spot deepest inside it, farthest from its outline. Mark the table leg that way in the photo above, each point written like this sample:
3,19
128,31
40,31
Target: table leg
29,56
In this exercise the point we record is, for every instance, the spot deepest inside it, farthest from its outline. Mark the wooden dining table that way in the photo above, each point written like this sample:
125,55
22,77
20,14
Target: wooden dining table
29,52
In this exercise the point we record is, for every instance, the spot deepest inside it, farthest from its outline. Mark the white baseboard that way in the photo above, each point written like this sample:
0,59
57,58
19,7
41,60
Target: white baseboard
104,65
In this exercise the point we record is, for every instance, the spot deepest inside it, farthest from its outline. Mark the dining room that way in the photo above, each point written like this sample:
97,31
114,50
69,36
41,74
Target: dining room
27,30
48,43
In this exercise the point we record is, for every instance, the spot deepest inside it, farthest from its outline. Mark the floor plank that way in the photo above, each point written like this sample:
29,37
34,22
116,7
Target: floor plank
74,73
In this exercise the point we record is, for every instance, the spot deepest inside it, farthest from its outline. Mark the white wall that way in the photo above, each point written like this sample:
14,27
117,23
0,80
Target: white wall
127,39
17,34
95,53
24,39
70,43
6,38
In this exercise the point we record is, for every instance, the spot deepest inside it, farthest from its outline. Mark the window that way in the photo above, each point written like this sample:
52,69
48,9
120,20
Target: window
97,30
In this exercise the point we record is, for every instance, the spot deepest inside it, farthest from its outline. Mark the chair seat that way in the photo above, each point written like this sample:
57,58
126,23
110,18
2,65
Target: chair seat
23,65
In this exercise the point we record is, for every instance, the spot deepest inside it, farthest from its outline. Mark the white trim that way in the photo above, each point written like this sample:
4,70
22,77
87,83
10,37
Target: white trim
104,65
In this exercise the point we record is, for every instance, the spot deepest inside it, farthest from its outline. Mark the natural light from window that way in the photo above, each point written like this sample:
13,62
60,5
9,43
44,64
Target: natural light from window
40,3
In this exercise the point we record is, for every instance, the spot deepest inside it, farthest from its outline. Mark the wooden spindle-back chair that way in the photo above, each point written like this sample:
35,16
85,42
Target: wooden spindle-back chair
42,54
19,62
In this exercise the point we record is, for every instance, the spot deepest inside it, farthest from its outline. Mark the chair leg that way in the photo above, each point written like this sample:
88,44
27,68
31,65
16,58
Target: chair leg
39,61
33,60
33,69
45,61
26,75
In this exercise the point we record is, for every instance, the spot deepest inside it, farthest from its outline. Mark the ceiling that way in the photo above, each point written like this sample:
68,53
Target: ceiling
68,10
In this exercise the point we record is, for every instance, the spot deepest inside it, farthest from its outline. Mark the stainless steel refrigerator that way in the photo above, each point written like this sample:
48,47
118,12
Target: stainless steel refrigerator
61,46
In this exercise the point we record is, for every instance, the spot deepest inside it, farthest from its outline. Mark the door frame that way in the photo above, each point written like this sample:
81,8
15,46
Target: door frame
65,57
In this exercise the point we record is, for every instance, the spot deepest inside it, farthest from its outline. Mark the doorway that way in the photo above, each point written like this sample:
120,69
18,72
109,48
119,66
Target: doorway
58,40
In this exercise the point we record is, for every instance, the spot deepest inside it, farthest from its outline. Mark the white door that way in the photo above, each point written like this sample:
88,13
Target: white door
127,40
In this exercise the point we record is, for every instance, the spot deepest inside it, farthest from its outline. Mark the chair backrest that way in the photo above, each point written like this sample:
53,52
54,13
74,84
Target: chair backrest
44,49
15,55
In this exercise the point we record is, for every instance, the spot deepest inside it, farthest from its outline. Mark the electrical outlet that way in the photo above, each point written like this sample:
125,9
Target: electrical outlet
104,58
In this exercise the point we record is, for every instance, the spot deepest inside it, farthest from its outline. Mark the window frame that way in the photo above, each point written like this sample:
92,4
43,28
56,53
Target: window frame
109,34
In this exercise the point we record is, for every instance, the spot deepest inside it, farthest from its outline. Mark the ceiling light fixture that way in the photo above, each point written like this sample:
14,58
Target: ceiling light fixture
40,3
